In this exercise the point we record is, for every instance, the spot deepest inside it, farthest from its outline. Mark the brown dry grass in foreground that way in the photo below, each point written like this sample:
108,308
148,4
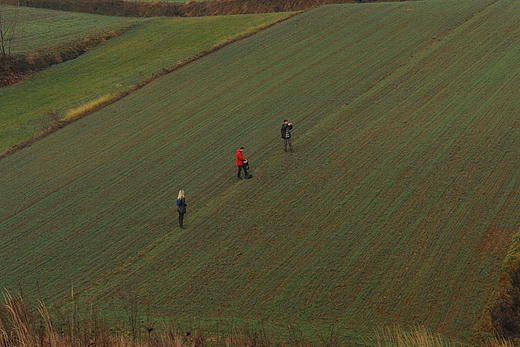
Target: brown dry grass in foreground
23,326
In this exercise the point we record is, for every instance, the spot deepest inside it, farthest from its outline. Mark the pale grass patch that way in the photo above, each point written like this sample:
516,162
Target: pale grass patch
494,342
417,337
422,337
88,107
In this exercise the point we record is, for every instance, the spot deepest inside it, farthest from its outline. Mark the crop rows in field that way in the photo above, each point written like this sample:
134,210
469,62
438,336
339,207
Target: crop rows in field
396,208
115,66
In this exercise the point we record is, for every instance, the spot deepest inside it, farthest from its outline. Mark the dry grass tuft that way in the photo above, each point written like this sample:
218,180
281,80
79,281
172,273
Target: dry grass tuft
417,337
495,342
20,326
88,108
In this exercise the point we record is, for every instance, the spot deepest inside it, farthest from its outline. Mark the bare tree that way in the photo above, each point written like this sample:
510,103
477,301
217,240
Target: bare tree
9,20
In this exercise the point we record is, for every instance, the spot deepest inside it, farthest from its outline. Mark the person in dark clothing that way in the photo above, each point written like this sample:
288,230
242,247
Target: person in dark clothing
286,135
181,208
240,162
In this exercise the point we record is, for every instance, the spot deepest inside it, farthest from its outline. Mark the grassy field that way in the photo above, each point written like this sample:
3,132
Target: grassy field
114,66
39,29
396,208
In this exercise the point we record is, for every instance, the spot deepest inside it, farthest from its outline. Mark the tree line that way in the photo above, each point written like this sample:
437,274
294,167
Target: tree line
192,8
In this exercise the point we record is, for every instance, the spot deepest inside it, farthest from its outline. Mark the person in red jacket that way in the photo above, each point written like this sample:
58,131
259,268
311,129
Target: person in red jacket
240,161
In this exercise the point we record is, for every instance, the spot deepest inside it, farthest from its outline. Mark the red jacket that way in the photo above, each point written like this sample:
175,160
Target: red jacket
239,157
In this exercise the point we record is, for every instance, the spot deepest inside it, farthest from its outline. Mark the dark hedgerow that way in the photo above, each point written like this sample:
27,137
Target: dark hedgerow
20,66
188,9
502,317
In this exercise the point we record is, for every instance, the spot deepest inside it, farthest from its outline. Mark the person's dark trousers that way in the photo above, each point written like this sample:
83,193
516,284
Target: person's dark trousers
240,168
287,142
181,220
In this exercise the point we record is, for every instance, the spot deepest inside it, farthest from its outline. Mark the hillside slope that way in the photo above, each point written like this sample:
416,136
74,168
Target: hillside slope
112,67
397,206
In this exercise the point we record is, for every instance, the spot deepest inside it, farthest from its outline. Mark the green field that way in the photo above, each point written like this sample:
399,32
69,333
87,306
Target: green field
114,66
38,29
397,207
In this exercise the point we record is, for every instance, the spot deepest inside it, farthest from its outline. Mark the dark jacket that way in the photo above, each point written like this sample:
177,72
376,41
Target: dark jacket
182,207
286,134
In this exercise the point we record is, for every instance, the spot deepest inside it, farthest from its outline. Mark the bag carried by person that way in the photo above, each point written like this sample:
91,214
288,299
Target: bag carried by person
178,202
246,166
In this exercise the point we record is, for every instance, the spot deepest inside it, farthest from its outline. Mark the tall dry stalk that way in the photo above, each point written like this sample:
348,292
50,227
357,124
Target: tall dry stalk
496,342
21,333
417,337
9,21
50,334
22,327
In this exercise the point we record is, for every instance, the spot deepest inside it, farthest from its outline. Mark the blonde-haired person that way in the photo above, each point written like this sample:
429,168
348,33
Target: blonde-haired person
181,208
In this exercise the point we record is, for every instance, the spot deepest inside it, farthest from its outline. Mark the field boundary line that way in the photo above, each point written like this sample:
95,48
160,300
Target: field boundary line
118,96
